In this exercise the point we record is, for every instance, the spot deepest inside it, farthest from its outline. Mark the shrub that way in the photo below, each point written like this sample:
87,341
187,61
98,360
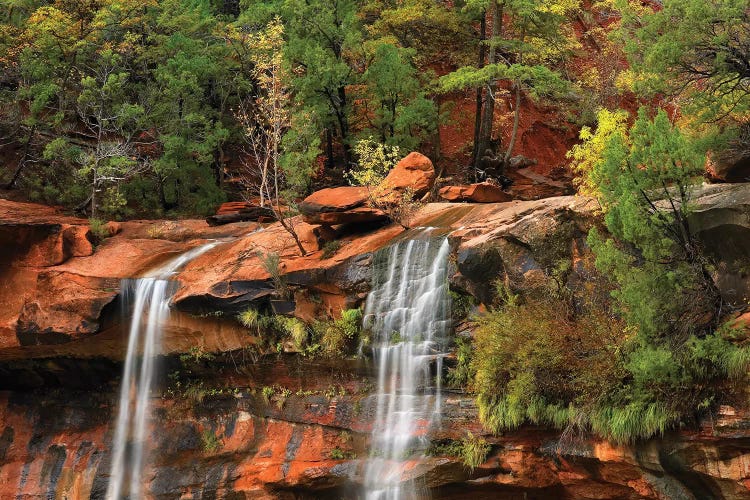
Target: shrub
474,451
400,207
99,229
374,160
335,335
330,249
293,328
463,373
211,443
653,357
271,263
339,454
535,362
471,450
271,328
268,393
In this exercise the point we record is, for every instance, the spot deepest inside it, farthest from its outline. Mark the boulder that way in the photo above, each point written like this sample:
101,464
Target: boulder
340,205
240,211
520,161
113,228
729,166
483,192
414,171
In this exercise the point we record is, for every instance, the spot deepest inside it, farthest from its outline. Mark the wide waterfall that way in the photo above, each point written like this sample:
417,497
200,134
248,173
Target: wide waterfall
408,311
149,297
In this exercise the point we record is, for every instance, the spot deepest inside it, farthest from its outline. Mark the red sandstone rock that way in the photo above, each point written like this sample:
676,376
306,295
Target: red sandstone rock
476,193
413,171
232,207
340,205
113,228
729,167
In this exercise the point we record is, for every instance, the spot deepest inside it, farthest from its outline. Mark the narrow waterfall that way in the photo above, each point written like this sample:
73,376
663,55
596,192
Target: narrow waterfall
149,298
408,311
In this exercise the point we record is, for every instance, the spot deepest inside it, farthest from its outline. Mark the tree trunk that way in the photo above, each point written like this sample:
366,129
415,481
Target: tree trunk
489,106
344,126
516,119
93,197
22,162
476,153
329,149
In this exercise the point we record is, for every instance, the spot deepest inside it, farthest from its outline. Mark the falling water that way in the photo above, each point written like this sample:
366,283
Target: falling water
409,313
150,298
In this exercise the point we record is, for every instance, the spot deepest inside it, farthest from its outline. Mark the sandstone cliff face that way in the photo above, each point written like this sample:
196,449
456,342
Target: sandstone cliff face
61,346
54,444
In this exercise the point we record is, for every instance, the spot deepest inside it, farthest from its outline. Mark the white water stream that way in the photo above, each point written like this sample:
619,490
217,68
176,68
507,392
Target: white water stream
408,311
150,297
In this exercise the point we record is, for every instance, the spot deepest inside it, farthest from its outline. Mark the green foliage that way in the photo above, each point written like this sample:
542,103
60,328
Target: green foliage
534,362
330,248
472,450
268,393
462,374
273,328
462,304
339,335
655,162
294,329
693,50
339,454
588,152
374,161
402,115
271,263
195,355
99,229
539,81
210,442
250,317
548,357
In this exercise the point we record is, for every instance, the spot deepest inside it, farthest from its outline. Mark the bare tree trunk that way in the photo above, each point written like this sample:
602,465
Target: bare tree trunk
476,153
489,106
93,197
22,162
344,126
516,120
329,149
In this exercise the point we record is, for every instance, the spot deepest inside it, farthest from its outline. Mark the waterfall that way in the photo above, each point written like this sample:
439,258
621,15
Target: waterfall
408,311
150,298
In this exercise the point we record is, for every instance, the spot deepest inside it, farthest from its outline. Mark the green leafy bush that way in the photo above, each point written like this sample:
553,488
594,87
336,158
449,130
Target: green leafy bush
472,450
99,229
335,336
652,358
272,328
211,443
374,161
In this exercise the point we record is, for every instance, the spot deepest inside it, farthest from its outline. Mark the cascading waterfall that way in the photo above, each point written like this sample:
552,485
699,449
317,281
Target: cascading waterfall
408,311
150,298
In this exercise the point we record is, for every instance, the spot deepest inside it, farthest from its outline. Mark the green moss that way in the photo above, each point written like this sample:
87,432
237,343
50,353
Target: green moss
210,442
